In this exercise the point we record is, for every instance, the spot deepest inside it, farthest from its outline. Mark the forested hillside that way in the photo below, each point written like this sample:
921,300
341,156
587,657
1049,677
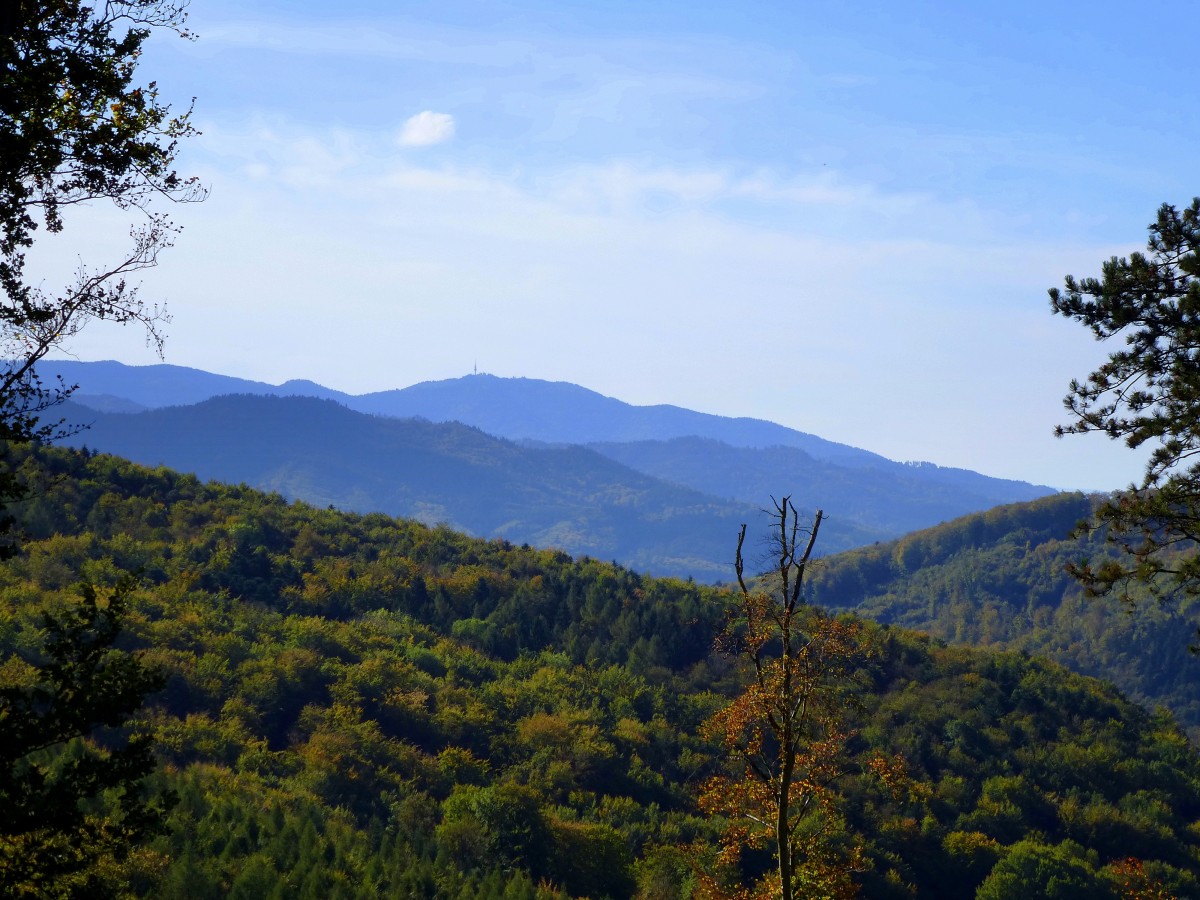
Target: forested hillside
999,579
440,473
359,706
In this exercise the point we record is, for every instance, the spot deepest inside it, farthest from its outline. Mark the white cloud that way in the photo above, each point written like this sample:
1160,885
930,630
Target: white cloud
426,128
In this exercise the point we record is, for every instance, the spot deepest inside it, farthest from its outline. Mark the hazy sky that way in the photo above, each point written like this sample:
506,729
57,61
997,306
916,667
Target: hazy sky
842,217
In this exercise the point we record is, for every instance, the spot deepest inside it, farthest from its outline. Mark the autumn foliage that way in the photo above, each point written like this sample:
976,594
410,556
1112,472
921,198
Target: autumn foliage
786,734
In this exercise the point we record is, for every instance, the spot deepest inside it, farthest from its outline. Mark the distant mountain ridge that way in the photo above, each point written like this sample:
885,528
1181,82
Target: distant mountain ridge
891,497
557,411
513,408
559,465
161,385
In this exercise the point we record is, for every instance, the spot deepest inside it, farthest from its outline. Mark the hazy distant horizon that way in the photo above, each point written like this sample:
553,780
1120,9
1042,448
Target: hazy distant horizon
302,379
839,217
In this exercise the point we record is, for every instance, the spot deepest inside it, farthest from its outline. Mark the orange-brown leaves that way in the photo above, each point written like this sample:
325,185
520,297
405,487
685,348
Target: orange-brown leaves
785,735
1136,884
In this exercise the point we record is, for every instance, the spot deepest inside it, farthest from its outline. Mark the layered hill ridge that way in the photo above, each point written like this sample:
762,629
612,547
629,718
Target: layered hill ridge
663,502
560,412
522,409
892,498
514,408
569,498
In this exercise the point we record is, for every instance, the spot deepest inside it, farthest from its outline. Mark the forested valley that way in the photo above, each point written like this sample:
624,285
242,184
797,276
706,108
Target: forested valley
360,706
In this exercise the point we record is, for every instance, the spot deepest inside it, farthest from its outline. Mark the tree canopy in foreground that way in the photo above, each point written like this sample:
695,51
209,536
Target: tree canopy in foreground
1146,393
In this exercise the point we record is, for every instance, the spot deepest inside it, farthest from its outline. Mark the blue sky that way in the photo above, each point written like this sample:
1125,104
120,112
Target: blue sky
839,216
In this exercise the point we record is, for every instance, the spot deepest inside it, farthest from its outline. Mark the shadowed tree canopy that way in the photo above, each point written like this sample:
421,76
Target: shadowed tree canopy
53,830
1146,393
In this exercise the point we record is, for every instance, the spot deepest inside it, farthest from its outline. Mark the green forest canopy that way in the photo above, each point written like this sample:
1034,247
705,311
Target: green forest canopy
358,706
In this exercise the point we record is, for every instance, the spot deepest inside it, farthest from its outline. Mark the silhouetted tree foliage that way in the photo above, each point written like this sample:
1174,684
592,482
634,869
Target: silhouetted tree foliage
1147,392
76,127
